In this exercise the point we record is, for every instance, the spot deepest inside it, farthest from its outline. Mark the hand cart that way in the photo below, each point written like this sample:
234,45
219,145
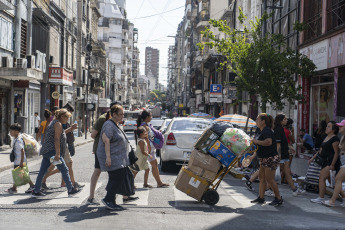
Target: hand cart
211,196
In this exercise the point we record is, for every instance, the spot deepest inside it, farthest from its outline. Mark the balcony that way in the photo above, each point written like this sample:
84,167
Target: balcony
104,22
187,26
188,11
125,42
203,22
228,12
6,4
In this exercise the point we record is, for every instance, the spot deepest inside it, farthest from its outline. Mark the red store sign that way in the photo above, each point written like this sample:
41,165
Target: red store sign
60,76
306,104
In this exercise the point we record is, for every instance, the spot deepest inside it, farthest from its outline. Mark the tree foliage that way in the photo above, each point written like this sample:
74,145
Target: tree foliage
264,64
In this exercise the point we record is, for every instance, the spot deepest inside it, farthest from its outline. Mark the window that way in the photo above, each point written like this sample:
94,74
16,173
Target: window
313,19
335,13
6,34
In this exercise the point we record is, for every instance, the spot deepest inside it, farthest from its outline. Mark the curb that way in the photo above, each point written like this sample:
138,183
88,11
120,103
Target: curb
3,168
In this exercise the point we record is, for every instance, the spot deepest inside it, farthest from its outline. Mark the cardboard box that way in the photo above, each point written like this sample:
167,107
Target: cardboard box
222,153
206,140
205,174
204,161
191,184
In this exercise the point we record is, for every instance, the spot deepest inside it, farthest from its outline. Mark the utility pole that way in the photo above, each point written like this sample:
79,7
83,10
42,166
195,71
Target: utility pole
88,59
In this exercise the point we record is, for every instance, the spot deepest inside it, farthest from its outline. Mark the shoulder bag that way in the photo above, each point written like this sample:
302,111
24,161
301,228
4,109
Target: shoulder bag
319,160
12,154
131,155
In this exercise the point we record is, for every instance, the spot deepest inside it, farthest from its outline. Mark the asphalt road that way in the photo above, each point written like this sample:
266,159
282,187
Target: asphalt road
157,208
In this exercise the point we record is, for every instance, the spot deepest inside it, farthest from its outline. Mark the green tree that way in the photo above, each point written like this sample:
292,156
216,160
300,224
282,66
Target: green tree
265,65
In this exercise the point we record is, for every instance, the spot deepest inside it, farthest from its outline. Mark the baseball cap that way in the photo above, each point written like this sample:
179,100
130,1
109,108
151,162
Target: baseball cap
115,103
341,124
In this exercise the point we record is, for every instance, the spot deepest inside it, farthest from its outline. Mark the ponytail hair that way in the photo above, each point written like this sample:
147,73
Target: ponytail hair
142,117
278,120
269,121
108,115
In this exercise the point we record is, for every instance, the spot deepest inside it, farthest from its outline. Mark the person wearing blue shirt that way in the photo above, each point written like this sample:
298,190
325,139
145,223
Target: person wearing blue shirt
308,142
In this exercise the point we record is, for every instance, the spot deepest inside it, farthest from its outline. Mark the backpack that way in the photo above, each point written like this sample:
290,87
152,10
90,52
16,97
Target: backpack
158,138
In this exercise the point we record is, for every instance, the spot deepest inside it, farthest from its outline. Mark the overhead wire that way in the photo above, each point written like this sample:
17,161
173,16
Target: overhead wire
152,15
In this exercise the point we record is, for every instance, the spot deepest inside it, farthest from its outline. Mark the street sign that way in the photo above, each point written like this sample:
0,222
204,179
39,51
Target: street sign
55,95
216,99
216,89
91,107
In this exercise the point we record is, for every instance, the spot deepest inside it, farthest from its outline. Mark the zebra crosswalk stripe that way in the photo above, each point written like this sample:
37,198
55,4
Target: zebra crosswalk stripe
142,193
7,198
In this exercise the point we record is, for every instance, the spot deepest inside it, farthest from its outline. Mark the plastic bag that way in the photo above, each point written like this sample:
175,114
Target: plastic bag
219,127
278,177
21,175
236,140
32,147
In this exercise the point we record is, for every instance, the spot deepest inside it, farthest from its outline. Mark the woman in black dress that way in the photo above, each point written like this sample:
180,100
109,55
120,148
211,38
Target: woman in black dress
329,154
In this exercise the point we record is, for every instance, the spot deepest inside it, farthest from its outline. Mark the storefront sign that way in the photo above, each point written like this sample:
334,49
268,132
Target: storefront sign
60,76
55,95
306,103
180,105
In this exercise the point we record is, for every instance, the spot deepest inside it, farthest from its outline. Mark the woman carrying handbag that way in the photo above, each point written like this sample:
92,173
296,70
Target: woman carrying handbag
327,158
112,153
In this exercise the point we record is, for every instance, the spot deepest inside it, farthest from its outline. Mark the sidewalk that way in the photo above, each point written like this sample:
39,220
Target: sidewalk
5,151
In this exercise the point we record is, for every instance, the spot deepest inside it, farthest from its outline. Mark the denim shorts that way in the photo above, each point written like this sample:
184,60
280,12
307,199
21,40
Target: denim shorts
342,160
282,161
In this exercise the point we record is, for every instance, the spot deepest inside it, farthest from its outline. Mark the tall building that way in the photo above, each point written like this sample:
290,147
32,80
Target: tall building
152,63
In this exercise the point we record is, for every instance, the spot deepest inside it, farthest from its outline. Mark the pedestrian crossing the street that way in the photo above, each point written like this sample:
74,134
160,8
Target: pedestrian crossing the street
235,197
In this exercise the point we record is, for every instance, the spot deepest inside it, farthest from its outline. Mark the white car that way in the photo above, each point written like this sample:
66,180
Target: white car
179,139
130,125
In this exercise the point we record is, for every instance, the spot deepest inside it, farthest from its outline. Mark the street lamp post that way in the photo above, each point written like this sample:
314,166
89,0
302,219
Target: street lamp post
89,50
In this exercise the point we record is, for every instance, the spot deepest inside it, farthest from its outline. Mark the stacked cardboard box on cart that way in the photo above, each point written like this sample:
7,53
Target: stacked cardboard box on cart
204,164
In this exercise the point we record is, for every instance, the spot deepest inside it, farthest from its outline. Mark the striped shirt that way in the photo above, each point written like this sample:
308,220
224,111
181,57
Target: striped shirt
49,143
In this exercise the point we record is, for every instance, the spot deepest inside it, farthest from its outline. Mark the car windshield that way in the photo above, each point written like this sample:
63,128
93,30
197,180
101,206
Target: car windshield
130,122
156,122
191,124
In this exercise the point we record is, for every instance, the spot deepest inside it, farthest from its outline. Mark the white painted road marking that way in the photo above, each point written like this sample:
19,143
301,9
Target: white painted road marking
142,193
63,198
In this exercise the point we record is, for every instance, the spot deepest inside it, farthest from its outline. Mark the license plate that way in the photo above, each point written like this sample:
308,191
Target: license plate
186,155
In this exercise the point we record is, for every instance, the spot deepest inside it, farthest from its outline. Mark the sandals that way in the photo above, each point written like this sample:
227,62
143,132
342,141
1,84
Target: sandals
11,190
147,186
163,185
326,203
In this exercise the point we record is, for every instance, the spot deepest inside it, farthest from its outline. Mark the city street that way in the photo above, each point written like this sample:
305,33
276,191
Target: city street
157,208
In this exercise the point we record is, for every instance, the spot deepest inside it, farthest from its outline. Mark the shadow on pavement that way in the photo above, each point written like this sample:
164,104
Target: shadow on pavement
203,207
86,212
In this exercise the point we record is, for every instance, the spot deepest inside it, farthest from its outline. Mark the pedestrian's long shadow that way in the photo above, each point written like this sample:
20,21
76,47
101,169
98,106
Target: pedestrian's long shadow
85,212
192,206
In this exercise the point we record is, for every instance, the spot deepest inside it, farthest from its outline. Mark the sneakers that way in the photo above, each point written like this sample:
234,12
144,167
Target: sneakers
269,192
276,202
318,200
77,185
326,203
298,192
92,201
249,186
37,194
11,190
73,192
111,206
129,199
247,177
30,189
44,186
342,204
258,200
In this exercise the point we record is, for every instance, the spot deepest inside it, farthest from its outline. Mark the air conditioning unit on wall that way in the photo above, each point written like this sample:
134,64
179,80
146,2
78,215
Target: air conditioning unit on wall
21,63
7,61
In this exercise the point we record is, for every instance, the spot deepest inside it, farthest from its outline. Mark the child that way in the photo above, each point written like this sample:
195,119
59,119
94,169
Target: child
20,158
143,152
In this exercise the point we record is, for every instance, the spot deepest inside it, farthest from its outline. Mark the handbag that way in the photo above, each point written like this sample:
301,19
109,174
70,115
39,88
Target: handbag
69,136
131,155
319,160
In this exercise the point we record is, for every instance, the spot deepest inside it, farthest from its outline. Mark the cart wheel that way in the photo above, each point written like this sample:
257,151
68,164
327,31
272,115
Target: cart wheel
211,197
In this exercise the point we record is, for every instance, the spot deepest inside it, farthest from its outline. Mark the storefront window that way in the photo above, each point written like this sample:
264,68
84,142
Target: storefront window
323,104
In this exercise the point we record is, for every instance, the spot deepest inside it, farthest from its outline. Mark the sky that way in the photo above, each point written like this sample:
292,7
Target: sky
154,31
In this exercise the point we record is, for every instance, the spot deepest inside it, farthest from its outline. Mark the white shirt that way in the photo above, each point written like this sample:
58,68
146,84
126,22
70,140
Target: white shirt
36,123
18,146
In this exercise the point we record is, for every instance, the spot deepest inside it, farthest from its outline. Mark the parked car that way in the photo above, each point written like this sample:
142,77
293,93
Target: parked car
129,125
162,129
156,123
179,139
